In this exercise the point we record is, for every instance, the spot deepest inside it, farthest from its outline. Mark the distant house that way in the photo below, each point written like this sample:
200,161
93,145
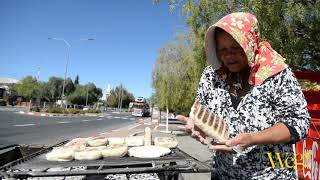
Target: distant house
4,86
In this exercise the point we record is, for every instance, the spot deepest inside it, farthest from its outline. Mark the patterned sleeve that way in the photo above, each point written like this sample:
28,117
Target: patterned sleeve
290,105
202,92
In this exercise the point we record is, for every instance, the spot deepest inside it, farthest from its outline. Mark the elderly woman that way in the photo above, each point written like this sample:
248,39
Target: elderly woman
250,86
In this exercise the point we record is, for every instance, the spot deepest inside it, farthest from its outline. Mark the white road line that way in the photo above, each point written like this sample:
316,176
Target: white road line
134,126
86,120
99,119
124,118
117,117
20,125
63,122
132,118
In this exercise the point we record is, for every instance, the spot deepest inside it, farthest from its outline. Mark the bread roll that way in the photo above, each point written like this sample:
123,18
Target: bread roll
98,141
134,141
168,142
118,150
87,154
77,141
115,140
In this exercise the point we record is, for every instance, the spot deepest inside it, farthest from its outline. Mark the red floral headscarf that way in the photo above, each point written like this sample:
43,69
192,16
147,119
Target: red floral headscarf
243,27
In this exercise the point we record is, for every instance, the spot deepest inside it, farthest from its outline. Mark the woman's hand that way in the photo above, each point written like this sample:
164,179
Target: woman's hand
243,140
195,132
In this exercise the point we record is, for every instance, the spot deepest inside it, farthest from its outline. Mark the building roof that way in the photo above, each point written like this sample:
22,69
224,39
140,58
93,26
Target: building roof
8,81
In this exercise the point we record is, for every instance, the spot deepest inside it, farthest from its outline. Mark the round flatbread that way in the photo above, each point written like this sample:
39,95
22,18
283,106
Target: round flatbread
88,155
60,154
148,151
98,142
118,150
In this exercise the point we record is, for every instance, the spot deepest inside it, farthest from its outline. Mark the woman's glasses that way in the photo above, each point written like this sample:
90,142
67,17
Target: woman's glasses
227,51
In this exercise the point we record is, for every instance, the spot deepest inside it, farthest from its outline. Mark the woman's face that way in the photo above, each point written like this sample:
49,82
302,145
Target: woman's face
230,53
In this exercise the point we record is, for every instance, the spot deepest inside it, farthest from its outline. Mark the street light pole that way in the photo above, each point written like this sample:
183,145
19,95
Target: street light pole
69,45
87,95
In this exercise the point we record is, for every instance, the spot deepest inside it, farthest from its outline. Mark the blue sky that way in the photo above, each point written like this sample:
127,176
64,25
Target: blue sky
127,36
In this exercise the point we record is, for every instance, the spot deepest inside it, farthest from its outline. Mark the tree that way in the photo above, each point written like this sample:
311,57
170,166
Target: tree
76,80
173,79
113,99
27,87
12,93
79,96
44,91
69,86
55,88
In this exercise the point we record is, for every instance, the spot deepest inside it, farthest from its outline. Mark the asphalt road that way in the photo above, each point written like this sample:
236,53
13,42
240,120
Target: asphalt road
26,129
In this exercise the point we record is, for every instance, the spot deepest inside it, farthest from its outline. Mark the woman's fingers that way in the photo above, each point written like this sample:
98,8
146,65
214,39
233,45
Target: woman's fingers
188,124
220,147
183,119
196,132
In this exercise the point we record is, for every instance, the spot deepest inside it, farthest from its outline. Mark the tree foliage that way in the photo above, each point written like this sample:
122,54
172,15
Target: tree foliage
27,87
83,93
173,76
55,88
76,80
51,91
114,97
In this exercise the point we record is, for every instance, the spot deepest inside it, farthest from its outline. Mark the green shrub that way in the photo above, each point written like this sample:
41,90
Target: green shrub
92,111
35,109
45,110
74,111
58,110
3,102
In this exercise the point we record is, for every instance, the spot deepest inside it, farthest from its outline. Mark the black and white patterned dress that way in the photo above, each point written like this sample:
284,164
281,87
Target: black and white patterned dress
278,99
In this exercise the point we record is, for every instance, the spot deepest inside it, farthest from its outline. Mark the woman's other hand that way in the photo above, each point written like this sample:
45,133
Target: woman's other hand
195,132
242,140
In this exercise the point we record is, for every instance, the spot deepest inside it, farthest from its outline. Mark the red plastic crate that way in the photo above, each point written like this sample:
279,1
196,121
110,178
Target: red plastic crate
309,165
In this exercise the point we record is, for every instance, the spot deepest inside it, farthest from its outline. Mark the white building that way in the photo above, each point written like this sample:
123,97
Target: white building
4,86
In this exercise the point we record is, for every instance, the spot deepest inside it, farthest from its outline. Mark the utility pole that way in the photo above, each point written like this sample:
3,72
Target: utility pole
87,95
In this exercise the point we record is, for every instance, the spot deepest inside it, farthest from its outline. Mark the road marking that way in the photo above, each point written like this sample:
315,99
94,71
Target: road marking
86,120
99,119
132,119
63,122
124,118
117,117
134,126
20,125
